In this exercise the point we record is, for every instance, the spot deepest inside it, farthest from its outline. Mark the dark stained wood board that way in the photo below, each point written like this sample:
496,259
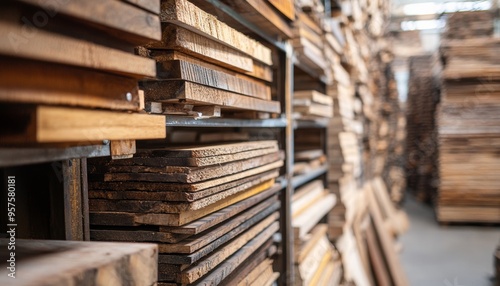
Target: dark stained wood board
195,187
191,174
180,219
26,81
219,192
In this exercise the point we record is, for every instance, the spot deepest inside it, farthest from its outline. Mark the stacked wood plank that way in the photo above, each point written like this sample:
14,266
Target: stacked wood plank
480,24
212,209
52,262
90,92
311,105
421,128
207,68
468,131
316,261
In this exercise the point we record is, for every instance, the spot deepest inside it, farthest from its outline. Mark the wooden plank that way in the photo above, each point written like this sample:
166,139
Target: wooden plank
183,70
117,18
195,227
178,219
47,124
132,234
286,7
122,149
109,264
237,276
216,193
263,277
188,42
314,96
304,222
261,14
188,174
146,186
73,205
309,266
232,243
26,81
55,48
161,206
314,109
380,270
386,241
213,150
263,267
309,195
308,155
192,93
158,160
227,266
219,234
317,233
323,264
150,5
187,15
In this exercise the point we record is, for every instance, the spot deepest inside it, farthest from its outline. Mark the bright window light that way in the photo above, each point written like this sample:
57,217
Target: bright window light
422,25
429,8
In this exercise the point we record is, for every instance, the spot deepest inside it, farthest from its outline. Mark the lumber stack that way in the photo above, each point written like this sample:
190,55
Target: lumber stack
207,68
53,262
468,132
423,96
312,105
212,209
480,24
316,261
90,92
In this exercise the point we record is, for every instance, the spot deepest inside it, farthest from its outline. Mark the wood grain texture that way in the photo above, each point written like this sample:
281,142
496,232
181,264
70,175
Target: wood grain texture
183,13
117,18
187,174
218,192
56,48
230,264
45,124
286,7
185,41
226,230
26,81
59,263
263,16
152,6
191,93
183,70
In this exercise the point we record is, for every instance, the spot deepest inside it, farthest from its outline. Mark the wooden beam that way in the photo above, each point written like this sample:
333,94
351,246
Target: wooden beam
191,93
189,16
56,48
117,18
47,124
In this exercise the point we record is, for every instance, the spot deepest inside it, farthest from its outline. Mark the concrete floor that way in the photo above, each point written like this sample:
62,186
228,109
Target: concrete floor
435,255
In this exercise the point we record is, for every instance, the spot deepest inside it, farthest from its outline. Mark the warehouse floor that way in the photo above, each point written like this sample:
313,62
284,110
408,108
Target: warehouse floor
435,255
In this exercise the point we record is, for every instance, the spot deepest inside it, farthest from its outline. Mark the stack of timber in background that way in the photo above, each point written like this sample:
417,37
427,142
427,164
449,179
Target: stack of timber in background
207,68
90,92
363,99
423,97
388,130
480,24
213,209
468,131
316,261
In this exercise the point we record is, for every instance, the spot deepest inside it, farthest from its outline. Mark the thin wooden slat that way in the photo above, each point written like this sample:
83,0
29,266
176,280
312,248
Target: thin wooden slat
47,124
183,70
286,7
192,93
115,17
150,5
182,12
229,265
25,81
50,47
